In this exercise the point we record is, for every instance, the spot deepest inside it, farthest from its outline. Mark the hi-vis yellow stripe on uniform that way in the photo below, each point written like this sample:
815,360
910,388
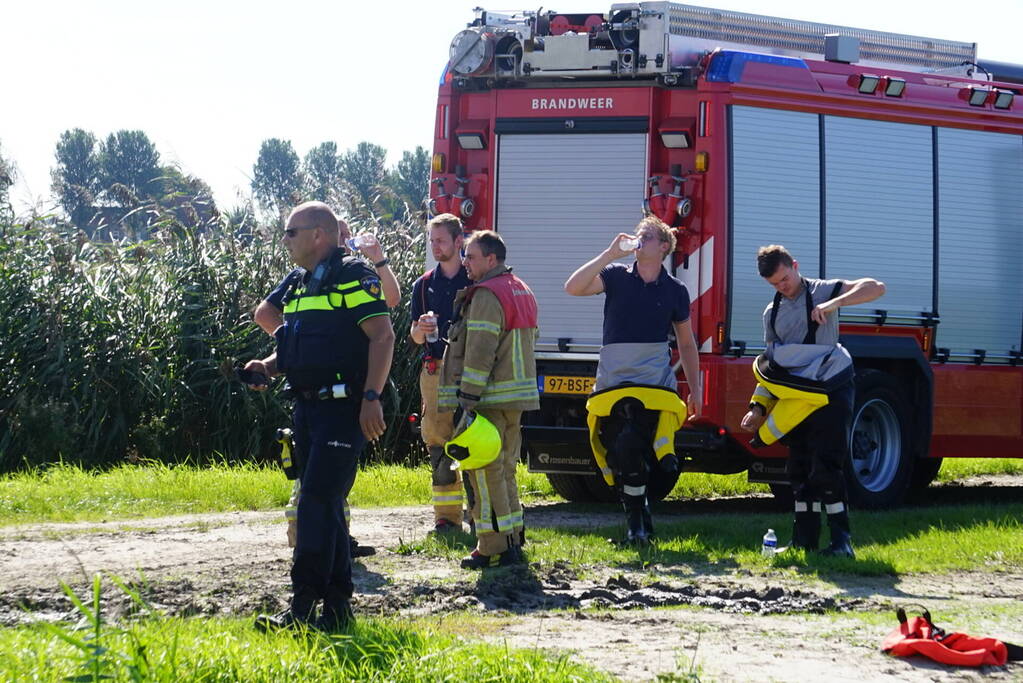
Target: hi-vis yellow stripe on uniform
345,295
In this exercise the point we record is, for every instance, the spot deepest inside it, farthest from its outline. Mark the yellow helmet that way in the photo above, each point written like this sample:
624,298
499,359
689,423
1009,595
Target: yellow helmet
476,446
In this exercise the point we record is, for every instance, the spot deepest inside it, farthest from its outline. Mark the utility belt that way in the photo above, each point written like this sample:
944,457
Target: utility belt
329,392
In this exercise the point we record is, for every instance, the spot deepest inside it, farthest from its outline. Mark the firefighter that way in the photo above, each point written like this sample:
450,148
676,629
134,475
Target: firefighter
433,297
269,316
335,349
489,369
643,305
803,355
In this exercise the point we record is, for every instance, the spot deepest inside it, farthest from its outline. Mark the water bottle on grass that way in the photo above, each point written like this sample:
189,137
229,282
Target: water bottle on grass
770,546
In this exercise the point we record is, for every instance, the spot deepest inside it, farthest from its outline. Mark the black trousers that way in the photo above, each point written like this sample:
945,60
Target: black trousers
329,440
819,448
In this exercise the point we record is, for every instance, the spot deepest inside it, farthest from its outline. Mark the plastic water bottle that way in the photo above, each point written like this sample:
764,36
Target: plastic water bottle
770,546
435,335
359,241
628,243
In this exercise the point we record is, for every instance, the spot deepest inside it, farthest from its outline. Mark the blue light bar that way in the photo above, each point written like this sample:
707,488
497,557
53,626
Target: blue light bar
727,65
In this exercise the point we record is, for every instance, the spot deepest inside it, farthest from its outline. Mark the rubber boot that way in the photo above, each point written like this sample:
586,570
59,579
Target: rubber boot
841,539
300,614
337,613
806,530
637,516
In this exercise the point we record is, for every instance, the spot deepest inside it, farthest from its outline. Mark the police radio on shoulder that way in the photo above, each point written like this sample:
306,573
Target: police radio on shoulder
370,395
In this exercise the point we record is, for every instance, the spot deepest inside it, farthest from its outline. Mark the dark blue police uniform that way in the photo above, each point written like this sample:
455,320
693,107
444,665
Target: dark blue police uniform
321,344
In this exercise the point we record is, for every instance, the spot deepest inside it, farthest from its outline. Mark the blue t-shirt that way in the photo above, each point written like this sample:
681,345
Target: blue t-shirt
434,292
641,312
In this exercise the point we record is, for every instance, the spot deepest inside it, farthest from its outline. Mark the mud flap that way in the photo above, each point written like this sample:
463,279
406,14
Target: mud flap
558,450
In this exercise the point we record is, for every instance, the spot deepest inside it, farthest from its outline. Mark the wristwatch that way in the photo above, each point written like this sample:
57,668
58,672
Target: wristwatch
370,395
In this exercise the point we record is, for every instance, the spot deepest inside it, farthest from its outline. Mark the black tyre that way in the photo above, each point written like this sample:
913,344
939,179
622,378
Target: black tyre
924,472
782,496
657,489
880,467
572,487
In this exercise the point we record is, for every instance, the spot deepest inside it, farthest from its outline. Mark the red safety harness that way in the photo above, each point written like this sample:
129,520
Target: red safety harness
919,636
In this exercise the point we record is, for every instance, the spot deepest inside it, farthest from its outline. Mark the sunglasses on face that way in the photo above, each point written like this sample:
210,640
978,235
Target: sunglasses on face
291,232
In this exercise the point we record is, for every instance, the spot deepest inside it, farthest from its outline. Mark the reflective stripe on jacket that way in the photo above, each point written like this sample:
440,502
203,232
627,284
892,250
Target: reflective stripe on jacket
492,365
785,404
671,416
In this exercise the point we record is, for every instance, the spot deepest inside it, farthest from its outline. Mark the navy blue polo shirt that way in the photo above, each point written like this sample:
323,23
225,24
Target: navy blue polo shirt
641,312
434,292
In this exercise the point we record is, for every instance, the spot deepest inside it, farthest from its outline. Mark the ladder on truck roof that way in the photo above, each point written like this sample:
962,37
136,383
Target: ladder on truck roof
807,37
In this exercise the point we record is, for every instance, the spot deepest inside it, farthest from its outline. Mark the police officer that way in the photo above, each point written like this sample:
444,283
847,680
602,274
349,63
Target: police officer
335,349
269,315
433,297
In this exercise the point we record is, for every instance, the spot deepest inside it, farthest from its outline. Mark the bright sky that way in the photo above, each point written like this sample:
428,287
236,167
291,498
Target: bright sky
209,80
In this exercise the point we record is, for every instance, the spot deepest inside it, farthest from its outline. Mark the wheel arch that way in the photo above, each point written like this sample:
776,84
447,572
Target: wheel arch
903,359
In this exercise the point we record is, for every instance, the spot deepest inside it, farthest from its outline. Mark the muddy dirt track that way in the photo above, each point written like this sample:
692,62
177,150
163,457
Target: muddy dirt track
742,625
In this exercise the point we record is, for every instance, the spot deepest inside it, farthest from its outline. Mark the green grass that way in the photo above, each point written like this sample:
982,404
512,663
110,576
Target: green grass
66,493
155,648
960,468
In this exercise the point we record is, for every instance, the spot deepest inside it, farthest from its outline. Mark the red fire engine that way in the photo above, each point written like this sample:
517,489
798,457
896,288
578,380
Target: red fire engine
865,153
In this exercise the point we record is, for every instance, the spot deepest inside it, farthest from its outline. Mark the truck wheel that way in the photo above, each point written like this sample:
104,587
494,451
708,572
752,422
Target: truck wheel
657,489
572,487
881,463
924,472
782,496
660,485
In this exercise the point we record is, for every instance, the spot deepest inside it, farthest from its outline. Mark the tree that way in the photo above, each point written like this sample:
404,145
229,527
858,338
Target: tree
410,180
129,159
322,171
276,176
363,169
189,197
76,177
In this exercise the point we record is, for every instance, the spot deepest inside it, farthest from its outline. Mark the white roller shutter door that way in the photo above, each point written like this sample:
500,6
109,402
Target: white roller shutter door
980,196
775,200
880,209
560,200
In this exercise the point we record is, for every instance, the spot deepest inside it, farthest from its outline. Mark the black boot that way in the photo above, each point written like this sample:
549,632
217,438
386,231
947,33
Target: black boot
299,615
806,529
841,539
635,509
337,614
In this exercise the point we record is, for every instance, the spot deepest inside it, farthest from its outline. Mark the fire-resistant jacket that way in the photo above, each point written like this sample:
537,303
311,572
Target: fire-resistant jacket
489,360
671,416
793,381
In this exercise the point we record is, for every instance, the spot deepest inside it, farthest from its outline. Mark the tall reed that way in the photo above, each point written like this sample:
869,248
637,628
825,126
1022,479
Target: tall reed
127,350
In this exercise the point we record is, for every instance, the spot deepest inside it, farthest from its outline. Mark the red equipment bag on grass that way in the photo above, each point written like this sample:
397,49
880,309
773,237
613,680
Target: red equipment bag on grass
919,636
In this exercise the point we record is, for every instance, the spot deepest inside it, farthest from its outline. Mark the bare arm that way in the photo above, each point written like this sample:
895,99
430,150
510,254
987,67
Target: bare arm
381,348
586,280
689,354
388,283
853,292
268,317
